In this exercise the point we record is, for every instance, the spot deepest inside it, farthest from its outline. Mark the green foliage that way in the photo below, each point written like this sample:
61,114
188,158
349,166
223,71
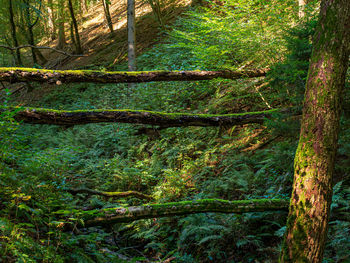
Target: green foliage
222,36
38,163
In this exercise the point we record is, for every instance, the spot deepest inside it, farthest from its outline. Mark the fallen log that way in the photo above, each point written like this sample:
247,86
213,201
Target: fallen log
77,117
70,76
128,214
109,194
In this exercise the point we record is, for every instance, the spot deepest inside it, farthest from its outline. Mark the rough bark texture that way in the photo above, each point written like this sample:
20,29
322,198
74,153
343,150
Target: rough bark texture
109,194
128,214
69,76
70,118
314,161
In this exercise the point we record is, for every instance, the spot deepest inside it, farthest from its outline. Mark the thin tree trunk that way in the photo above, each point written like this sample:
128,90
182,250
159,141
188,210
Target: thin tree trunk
30,25
14,35
30,31
131,38
79,49
131,35
314,160
107,15
61,32
74,43
52,19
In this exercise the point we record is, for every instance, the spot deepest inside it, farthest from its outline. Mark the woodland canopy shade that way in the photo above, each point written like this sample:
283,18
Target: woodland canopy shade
103,176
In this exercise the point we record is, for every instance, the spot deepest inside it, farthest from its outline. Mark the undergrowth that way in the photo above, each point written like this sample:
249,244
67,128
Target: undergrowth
39,163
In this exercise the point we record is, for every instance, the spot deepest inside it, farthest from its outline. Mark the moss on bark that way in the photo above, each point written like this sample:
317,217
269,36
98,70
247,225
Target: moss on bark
314,160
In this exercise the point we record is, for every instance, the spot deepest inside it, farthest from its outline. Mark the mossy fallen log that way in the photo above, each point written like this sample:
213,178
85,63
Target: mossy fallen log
77,117
128,214
109,194
73,76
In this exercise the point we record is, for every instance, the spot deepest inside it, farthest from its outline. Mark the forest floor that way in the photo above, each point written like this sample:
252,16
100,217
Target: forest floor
106,49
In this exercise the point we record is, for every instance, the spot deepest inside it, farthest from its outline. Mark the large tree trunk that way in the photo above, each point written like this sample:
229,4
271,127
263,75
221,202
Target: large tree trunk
70,76
110,216
14,34
165,120
314,161
79,49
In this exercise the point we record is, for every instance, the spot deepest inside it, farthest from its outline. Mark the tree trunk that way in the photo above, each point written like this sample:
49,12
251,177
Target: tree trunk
14,35
131,39
30,25
107,15
61,32
30,31
79,50
314,160
110,216
69,76
52,20
131,35
165,120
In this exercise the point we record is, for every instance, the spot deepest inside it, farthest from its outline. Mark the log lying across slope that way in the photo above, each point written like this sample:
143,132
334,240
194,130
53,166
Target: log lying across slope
109,194
76,117
129,214
69,76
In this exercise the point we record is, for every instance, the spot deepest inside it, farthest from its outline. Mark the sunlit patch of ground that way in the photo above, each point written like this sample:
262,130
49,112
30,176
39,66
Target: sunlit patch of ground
106,49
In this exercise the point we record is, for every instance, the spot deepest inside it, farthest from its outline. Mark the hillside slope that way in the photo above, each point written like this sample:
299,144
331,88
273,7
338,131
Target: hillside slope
105,49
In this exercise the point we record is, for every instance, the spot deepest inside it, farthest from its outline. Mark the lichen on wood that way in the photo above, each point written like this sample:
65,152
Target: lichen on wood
94,76
128,214
109,194
77,117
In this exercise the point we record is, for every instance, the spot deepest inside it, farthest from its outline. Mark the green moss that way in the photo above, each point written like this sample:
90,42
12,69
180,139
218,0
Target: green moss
167,115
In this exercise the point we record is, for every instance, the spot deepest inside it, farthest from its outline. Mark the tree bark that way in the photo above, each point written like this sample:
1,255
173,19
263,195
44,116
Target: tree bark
109,194
69,76
128,214
79,49
131,39
14,34
61,32
131,35
78,117
107,15
30,34
51,19
314,160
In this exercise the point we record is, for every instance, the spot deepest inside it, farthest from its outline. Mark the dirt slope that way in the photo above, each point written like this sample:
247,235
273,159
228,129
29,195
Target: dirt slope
105,49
